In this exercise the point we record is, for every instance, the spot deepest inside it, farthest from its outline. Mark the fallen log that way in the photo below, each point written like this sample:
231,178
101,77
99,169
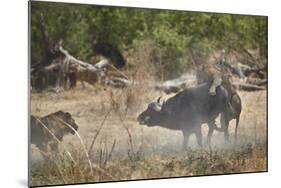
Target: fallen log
189,80
255,81
247,87
262,83
67,68
100,71
260,72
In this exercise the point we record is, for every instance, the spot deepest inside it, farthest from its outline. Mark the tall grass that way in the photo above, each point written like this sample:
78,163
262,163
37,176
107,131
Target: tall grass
108,127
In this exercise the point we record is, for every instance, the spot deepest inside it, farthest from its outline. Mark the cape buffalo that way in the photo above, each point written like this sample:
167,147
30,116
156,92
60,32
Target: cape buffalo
187,111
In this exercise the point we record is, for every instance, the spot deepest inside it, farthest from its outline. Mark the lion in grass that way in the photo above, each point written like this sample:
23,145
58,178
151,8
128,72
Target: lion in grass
57,123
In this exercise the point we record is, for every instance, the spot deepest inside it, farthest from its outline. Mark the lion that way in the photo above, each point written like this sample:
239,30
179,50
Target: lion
57,123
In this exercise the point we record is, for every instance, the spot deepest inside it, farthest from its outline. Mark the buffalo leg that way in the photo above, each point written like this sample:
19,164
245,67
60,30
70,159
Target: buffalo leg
198,134
186,135
236,128
210,132
224,126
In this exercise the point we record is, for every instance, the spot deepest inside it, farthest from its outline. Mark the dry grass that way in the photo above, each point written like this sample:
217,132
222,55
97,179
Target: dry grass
121,149
125,150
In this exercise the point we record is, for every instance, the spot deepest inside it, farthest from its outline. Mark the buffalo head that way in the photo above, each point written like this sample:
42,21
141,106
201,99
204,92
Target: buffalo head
151,115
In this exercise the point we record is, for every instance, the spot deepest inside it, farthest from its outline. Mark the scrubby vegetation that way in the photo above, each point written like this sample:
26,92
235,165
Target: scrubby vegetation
179,39
187,163
157,45
125,150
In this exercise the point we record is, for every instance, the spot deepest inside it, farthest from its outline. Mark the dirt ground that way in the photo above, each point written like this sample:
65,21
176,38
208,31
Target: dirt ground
89,107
